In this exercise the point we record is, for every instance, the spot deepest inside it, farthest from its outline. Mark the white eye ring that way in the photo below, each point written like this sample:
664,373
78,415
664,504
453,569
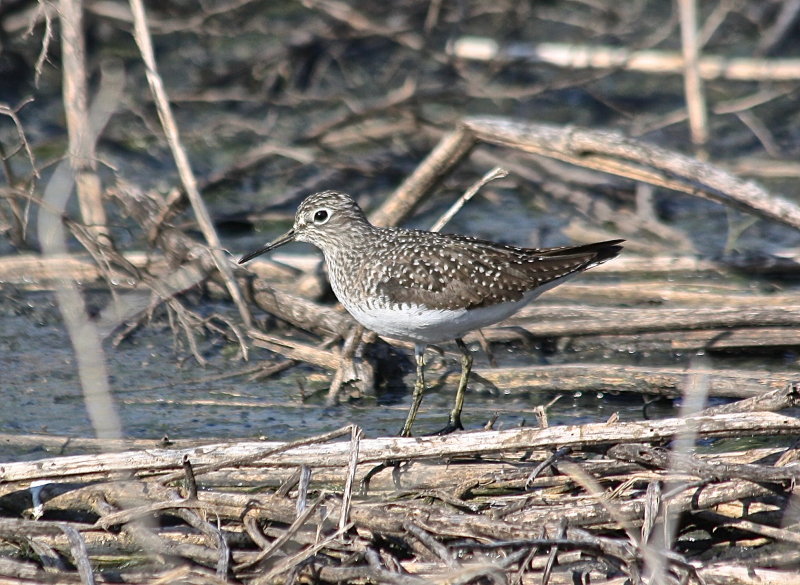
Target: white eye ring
321,216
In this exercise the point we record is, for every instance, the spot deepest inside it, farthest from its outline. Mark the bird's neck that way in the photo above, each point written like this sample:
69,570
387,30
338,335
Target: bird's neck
349,249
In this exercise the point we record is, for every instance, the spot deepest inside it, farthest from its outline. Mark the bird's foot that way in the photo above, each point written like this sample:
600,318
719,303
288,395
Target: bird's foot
452,426
393,463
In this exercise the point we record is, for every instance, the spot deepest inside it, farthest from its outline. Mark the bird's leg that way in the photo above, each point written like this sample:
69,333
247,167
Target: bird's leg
416,400
454,422
466,369
419,390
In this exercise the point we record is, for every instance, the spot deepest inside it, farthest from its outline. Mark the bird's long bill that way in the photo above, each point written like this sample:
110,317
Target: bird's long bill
277,242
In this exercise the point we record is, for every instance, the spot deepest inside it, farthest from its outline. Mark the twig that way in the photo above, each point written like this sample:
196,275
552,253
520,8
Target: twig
294,560
84,334
303,483
190,482
320,453
603,57
431,543
692,82
495,173
79,555
347,368
269,451
614,153
347,494
294,350
448,152
223,264
276,544
81,135
789,11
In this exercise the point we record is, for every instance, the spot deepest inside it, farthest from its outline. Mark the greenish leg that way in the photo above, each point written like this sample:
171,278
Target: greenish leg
466,367
419,390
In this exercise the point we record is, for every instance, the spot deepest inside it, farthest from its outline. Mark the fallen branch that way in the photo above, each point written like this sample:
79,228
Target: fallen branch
375,450
603,57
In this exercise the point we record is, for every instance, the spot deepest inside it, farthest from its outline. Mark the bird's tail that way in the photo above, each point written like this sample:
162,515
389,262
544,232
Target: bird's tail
596,253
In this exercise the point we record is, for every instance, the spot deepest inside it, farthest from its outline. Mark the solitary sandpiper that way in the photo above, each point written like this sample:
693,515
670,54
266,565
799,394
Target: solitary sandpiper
428,287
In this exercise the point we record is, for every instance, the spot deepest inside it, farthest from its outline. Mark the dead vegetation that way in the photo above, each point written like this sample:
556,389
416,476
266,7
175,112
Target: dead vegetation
592,502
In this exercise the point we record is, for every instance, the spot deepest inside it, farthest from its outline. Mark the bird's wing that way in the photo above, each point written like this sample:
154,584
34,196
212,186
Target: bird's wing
450,272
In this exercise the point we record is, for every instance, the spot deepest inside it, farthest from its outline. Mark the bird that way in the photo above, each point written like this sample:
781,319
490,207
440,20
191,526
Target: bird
428,287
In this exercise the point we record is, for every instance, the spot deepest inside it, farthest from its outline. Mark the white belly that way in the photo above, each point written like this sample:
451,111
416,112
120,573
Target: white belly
423,325
420,324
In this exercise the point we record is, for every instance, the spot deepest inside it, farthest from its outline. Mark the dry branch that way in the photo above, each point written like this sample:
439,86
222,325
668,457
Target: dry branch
594,378
601,57
448,152
614,153
754,338
82,136
555,320
660,458
692,80
221,262
668,382
375,450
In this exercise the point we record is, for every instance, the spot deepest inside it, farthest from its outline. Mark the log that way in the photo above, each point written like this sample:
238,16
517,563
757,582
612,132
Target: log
467,444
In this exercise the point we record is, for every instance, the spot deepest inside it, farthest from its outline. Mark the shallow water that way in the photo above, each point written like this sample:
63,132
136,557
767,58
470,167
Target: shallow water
159,391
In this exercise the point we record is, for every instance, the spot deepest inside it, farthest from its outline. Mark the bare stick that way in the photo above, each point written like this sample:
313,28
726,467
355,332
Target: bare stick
448,153
347,494
604,57
81,141
650,380
287,563
692,82
783,26
300,521
82,331
79,554
315,451
495,173
348,369
616,154
142,36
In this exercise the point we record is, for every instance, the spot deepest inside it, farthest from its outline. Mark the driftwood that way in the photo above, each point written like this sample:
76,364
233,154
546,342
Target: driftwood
669,382
753,338
591,378
376,450
611,152
557,321
83,157
657,292
603,57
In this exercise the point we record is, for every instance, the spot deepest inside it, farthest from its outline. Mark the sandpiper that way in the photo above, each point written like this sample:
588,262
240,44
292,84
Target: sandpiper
426,287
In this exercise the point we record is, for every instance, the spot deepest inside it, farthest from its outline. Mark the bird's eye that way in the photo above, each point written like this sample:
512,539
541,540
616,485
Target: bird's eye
321,216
